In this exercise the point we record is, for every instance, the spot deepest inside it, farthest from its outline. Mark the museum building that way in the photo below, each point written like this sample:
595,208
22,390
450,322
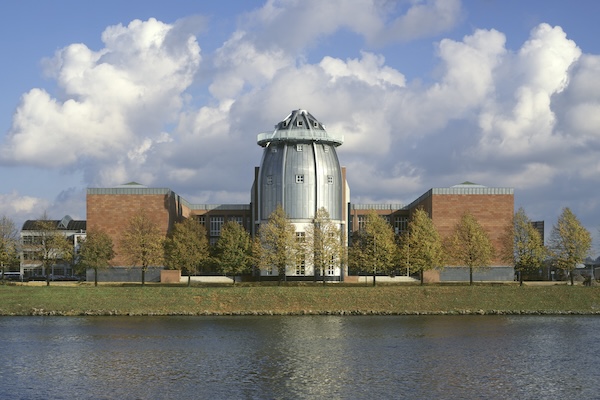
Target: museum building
301,172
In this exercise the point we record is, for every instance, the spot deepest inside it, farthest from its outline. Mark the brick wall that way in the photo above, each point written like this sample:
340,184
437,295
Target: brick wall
112,212
493,211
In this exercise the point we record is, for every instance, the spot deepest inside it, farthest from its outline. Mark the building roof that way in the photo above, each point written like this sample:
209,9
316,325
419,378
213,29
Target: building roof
65,224
299,126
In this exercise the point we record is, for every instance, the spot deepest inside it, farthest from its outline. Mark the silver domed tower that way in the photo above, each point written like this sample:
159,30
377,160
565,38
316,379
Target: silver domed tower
300,170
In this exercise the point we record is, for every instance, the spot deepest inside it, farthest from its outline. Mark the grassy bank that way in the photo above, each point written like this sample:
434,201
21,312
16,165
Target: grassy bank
250,300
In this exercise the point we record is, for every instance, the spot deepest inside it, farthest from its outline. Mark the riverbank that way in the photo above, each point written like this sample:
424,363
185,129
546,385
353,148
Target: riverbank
297,300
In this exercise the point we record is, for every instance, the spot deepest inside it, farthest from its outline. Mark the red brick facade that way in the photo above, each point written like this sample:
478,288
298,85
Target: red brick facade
112,212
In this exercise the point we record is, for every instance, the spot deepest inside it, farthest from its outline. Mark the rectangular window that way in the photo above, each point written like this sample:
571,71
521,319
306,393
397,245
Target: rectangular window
299,147
326,148
269,179
202,220
215,226
273,149
330,179
401,224
331,266
300,265
362,222
299,178
237,218
300,122
300,237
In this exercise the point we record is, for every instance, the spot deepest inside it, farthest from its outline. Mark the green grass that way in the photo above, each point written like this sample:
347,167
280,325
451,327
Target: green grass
332,299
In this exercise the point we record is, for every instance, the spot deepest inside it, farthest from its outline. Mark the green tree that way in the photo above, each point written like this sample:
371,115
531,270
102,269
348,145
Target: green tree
9,241
142,243
278,241
233,250
469,245
374,247
522,245
421,246
323,244
96,251
186,247
569,243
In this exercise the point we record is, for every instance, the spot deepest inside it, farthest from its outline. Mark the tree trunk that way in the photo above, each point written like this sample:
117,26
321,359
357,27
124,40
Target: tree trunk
470,275
189,279
143,276
571,273
520,278
422,277
95,276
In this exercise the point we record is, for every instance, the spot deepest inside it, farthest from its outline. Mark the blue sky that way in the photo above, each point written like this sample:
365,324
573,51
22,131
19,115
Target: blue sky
427,94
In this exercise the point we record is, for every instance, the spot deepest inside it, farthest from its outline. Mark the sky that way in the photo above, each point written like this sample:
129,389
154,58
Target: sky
427,93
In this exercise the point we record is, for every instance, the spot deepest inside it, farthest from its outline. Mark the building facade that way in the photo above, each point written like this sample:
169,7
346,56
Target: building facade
35,233
300,172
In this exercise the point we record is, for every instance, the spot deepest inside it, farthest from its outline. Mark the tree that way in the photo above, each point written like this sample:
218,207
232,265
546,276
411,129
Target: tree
278,240
570,242
522,245
186,247
233,250
469,245
421,246
323,244
9,240
142,243
96,251
50,246
374,247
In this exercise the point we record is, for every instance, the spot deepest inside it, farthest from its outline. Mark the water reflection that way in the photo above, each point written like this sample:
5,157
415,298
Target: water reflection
298,357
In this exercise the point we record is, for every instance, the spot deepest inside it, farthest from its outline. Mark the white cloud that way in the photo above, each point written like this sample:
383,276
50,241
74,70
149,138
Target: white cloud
14,203
115,102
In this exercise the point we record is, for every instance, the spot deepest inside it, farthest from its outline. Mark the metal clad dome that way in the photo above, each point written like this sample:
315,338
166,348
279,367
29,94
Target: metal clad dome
300,169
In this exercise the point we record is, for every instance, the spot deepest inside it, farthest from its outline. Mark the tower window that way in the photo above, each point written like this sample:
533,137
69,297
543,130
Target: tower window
330,179
273,149
325,148
316,124
298,147
269,179
300,122
299,178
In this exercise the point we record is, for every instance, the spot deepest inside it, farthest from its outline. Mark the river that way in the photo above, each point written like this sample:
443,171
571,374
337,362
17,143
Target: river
300,357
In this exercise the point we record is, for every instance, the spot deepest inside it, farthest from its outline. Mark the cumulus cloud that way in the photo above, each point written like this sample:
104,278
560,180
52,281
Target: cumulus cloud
113,103
295,24
133,110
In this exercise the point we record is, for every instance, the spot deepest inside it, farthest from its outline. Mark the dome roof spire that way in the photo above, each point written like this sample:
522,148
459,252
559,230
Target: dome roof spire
299,126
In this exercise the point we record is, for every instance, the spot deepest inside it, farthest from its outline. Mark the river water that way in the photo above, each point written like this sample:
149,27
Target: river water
300,357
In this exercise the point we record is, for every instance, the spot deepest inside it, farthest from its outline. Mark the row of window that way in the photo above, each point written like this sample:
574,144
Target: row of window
400,222
299,179
300,147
